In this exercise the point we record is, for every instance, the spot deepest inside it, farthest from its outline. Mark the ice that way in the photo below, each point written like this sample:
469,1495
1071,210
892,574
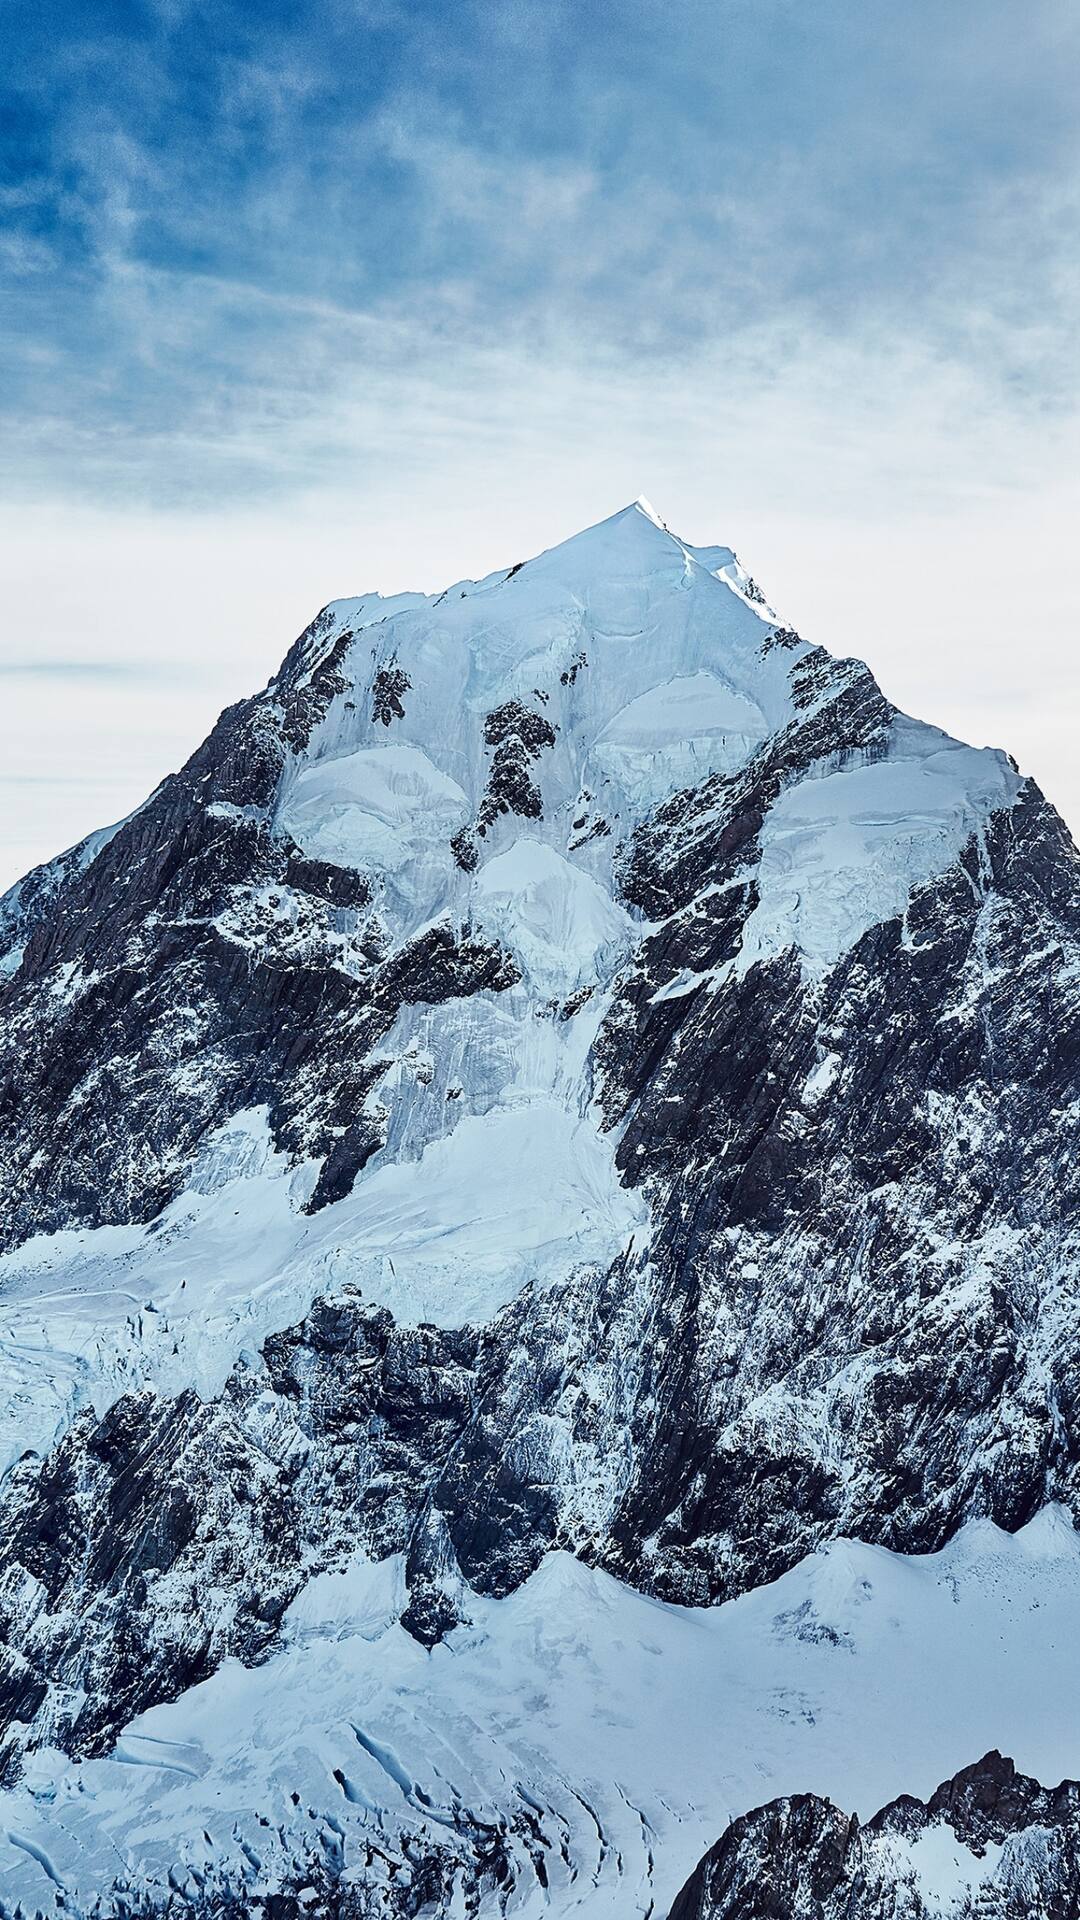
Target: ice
563,928
378,807
844,851
647,660
820,1079
520,1194
634,1729
675,735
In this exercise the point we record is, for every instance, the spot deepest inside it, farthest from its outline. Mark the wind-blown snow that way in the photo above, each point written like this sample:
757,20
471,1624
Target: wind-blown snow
633,1729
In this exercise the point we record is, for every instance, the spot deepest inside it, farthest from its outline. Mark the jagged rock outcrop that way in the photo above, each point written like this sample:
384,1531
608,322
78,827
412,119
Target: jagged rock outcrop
990,1842
197,964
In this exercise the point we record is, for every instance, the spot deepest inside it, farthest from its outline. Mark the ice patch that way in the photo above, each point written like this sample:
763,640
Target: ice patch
820,1079
843,852
562,927
375,808
677,734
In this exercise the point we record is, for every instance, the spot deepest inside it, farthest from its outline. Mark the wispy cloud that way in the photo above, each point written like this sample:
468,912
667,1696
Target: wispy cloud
32,669
239,240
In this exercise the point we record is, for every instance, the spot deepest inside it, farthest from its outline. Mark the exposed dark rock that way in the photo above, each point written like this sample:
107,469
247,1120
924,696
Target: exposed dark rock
389,684
518,735
802,1859
782,637
464,849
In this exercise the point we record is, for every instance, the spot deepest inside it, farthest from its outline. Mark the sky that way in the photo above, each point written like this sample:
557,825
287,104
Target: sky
304,300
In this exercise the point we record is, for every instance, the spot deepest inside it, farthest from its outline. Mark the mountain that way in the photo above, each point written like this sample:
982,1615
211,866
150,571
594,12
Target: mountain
551,1137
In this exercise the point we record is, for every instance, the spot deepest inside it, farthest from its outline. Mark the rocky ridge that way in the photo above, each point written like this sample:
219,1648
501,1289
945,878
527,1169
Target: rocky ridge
990,1842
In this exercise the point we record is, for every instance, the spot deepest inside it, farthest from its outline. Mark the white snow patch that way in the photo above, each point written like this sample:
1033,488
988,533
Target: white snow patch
820,1079
943,1867
560,924
376,808
843,852
675,735
518,1195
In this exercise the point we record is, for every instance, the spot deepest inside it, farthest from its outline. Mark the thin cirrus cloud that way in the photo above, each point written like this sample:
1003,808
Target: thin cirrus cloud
411,290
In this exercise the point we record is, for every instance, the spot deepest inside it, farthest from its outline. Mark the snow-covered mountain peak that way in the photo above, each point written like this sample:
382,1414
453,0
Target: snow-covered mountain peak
575,692
566,1103
633,544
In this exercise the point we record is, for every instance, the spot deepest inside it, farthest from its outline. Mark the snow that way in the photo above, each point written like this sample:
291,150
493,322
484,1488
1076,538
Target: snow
844,851
646,659
75,860
819,1080
518,1195
675,735
378,807
635,1729
564,929
646,665
620,627
943,1867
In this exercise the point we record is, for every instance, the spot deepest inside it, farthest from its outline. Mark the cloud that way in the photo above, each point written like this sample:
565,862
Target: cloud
234,233
38,669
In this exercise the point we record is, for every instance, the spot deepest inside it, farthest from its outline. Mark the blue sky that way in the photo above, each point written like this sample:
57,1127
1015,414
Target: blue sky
213,211
278,280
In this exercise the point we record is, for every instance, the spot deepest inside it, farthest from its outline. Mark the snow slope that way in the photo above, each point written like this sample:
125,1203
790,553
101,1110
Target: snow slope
844,851
563,929
376,807
521,1194
630,1730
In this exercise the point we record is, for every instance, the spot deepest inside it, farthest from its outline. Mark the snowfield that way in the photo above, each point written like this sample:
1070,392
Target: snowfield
843,852
380,807
632,1730
519,1195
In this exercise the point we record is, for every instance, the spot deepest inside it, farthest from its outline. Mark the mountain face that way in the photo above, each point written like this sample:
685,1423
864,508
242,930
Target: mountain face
560,1118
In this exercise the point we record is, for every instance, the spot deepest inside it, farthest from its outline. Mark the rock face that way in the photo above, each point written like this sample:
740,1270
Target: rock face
989,1842
567,1066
